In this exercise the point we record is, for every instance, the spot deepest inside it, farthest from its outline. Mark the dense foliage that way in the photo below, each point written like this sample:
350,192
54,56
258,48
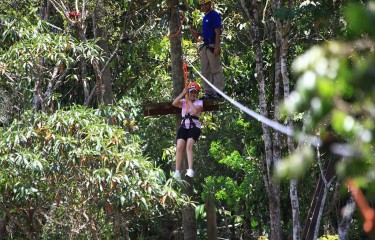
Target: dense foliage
70,171
62,170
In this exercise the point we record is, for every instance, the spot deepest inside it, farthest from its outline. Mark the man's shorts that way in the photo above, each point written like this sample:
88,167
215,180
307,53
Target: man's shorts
186,133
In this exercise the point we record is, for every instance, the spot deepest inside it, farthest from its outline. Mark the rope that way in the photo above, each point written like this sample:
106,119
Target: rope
273,124
179,29
367,212
277,126
186,72
186,77
192,31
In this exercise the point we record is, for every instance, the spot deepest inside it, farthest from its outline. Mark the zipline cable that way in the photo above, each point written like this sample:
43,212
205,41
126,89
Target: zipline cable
273,124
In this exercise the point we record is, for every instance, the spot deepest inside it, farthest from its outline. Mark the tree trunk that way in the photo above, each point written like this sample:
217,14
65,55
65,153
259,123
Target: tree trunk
3,225
253,10
346,218
176,49
313,218
211,219
116,222
82,29
282,39
188,213
103,74
93,229
45,9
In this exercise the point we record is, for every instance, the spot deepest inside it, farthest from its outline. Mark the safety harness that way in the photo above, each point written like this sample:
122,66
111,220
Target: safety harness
208,41
207,46
190,117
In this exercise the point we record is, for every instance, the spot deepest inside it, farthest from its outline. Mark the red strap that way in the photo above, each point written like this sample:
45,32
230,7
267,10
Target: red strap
186,77
186,72
179,29
193,32
367,212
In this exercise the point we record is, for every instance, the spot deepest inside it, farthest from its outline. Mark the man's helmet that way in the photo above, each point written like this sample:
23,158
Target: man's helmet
194,86
204,1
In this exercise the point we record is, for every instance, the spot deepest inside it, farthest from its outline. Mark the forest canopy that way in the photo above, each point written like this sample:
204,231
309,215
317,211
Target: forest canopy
81,159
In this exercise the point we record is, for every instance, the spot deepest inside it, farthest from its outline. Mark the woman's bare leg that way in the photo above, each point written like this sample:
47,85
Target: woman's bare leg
181,143
189,152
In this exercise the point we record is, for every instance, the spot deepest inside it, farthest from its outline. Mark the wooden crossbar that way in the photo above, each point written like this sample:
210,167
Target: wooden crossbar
165,108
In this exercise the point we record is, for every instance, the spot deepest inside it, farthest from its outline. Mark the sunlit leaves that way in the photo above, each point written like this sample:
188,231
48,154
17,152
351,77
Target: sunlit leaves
76,153
235,161
336,90
160,50
37,53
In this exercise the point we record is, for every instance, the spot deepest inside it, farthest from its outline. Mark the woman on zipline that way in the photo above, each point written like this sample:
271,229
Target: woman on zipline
190,128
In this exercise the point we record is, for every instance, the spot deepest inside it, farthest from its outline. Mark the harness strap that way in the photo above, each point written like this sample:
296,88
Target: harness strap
190,117
208,40
212,49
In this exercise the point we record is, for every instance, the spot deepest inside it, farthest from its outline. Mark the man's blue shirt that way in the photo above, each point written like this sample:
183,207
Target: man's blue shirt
211,21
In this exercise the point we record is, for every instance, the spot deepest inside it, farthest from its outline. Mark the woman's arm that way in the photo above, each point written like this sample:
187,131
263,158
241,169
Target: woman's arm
176,102
195,110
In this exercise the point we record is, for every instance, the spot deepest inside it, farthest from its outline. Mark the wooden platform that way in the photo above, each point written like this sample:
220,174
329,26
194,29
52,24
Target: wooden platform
165,108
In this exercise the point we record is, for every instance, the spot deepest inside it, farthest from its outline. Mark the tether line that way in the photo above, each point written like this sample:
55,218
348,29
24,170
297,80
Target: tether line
273,124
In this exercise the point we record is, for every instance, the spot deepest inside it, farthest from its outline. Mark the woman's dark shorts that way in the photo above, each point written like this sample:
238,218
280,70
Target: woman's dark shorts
184,133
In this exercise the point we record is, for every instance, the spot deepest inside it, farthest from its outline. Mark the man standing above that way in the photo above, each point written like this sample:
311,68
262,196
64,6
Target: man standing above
210,54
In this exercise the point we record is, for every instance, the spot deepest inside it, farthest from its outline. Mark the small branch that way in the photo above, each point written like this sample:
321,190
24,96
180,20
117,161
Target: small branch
50,24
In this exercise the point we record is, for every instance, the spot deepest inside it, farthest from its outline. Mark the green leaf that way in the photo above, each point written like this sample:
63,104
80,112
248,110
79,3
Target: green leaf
144,202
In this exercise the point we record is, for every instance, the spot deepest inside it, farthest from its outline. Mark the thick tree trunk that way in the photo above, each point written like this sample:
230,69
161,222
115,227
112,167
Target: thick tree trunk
188,213
282,39
253,11
176,49
103,75
45,9
271,184
293,193
211,219
82,29
188,222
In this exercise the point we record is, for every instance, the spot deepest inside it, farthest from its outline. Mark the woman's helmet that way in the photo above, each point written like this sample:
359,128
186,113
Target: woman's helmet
194,86
204,1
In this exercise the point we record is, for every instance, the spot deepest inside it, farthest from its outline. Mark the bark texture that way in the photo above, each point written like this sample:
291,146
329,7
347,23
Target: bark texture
283,28
318,201
103,73
253,11
347,217
211,219
3,227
